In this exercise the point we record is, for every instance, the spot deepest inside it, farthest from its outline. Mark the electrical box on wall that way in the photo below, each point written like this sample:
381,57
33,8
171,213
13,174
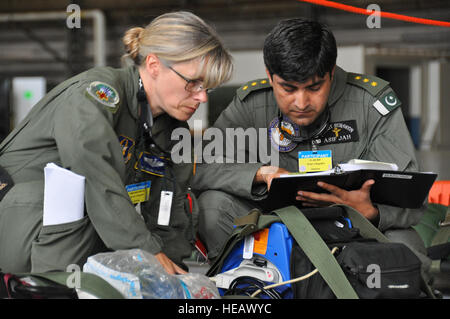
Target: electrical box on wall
26,92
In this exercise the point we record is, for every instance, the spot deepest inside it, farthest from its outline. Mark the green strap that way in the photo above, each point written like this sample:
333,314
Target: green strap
89,283
317,251
441,237
366,228
443,234
217,263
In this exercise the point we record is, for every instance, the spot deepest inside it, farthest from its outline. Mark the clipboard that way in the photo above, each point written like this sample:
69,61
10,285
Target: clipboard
394,188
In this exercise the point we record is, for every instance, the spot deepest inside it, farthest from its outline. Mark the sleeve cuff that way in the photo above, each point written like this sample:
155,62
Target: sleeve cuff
154,245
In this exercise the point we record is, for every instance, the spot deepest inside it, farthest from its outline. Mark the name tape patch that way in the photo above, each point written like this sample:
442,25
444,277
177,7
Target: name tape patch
339,132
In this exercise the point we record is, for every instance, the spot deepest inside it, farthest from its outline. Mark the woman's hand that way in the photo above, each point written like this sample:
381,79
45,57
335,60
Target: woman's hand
357,199
169,265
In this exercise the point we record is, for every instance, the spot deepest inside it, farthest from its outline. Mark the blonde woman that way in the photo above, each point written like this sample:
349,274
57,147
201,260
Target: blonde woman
113,127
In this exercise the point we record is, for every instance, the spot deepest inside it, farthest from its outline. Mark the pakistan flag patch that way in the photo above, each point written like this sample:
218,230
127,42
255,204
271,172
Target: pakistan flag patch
104,94
387,102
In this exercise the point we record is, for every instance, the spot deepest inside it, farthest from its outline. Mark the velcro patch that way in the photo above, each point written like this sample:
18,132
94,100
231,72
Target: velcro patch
104,94
339,132
151,164
127,145
278,140
387,102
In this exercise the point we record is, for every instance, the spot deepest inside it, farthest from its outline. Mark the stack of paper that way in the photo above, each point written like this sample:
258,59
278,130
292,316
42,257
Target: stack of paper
350,166
355,164
63,195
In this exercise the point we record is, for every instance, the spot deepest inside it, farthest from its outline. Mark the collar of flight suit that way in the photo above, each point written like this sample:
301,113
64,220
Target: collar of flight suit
132,87
162,122
337,85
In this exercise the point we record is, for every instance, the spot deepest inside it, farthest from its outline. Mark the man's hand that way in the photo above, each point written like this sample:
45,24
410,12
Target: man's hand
265,174
169,265
357,199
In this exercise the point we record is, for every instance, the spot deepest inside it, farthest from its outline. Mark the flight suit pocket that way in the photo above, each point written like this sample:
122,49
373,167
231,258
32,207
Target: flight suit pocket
58,246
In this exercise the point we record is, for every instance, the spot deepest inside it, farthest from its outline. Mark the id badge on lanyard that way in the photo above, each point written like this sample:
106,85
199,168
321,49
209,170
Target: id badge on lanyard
139,192
165,206
314,161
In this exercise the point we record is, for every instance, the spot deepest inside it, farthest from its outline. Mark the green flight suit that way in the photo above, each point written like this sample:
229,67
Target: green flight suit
366,131
72,127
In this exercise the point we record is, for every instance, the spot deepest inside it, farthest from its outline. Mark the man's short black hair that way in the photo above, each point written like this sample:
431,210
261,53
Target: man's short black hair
300,49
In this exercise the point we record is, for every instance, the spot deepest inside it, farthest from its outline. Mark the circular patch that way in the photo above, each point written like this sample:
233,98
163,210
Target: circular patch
278,140
104,94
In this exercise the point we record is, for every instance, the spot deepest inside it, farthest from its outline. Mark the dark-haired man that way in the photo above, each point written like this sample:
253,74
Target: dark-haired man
308,104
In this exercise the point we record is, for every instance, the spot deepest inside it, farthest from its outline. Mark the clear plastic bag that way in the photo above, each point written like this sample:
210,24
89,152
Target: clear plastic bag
199,286
138,274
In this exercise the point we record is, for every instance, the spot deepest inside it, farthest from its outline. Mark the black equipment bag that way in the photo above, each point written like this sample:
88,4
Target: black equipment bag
13,287
55,285
374,270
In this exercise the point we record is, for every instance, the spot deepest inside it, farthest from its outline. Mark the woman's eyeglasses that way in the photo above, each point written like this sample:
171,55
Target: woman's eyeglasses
192,86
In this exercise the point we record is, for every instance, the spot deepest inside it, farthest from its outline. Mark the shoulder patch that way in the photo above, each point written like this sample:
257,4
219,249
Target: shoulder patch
252,86
374,85
387,102
104,94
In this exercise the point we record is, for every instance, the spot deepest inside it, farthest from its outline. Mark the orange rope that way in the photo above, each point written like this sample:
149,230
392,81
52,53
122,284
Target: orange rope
388,15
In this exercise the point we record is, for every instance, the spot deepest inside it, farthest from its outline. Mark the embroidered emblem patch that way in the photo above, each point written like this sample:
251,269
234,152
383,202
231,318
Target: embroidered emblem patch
104,94
151,164
387,103
278,140
127,144
339,132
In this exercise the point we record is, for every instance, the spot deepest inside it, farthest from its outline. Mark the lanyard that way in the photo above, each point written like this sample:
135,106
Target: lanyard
145,136
146,122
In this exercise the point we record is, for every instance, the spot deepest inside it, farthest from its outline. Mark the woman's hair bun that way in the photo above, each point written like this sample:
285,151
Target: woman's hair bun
131,40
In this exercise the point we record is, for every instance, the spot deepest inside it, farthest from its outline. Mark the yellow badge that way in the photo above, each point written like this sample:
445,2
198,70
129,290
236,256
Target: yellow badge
139,192
314,161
